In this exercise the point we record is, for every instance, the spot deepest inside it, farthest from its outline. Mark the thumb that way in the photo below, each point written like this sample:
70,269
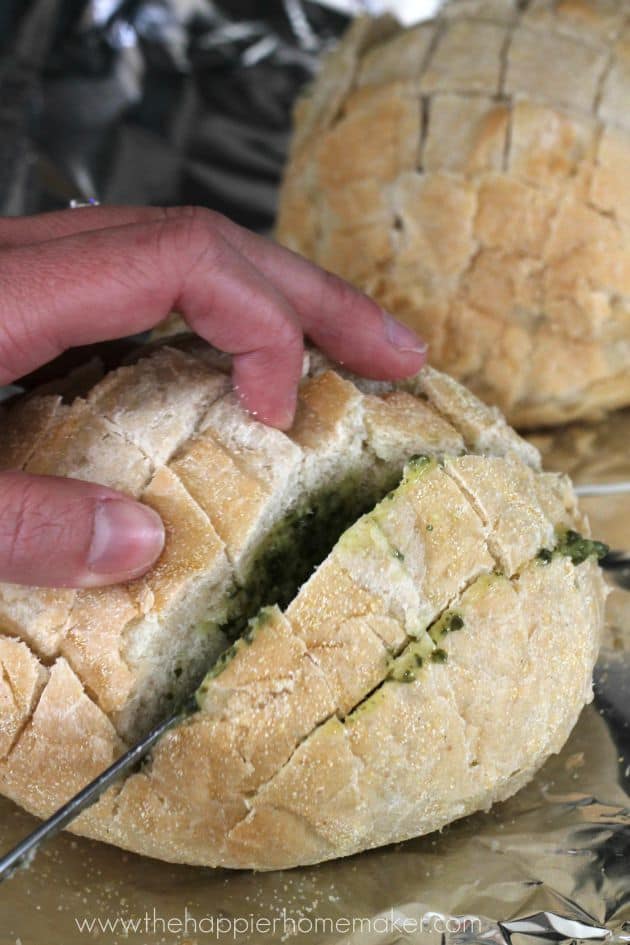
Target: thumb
66,533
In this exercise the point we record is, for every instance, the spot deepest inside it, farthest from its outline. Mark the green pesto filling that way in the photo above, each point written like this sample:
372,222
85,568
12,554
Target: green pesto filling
420,462
287,557
405,667
296,545
448,622
439,655
574,546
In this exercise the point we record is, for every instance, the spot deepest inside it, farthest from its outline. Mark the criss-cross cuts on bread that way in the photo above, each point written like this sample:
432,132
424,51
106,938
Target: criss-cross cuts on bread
304,746
470,174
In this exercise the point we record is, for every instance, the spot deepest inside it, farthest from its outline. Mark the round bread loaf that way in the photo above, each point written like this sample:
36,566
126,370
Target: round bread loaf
471,174
387,615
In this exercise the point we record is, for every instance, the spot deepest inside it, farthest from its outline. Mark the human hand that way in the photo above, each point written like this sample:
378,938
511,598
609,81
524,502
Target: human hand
82,276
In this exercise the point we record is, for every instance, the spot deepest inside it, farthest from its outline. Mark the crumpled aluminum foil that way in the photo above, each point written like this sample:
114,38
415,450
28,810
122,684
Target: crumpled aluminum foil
154,101
189,101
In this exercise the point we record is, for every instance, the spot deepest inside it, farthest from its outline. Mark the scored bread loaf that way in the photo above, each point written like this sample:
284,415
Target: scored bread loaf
415,618
471,174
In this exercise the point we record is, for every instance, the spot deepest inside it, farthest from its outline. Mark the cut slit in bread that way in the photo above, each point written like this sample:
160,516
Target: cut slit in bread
291,536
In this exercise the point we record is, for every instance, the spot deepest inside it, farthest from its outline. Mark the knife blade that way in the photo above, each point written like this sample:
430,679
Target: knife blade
22,854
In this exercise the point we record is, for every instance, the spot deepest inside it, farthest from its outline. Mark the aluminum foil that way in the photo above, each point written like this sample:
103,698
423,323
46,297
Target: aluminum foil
154,101
550,864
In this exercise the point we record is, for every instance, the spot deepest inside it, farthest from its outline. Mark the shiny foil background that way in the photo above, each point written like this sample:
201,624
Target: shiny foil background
180,101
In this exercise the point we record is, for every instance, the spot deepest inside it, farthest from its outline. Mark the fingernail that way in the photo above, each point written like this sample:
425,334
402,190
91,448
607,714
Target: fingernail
401,337
127,537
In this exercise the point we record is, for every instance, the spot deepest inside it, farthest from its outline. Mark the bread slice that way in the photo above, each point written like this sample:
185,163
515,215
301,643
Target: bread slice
348,632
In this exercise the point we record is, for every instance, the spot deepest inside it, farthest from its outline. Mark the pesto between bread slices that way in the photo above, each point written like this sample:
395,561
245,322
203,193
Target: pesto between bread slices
406,667
254,624
288,555
302,540
296,544
574,546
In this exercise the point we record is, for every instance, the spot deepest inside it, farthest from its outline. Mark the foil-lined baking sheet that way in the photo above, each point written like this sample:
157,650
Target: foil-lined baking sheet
550,864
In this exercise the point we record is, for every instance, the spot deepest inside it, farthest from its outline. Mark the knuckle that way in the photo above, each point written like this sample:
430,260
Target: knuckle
19,515
277,326
187,237
34,525
281,350
192,224
187,212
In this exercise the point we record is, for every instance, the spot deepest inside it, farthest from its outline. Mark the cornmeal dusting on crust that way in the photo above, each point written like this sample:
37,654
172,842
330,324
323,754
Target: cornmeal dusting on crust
471,175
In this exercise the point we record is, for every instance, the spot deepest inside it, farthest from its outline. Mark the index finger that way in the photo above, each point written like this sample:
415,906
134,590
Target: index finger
341,320
106,283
